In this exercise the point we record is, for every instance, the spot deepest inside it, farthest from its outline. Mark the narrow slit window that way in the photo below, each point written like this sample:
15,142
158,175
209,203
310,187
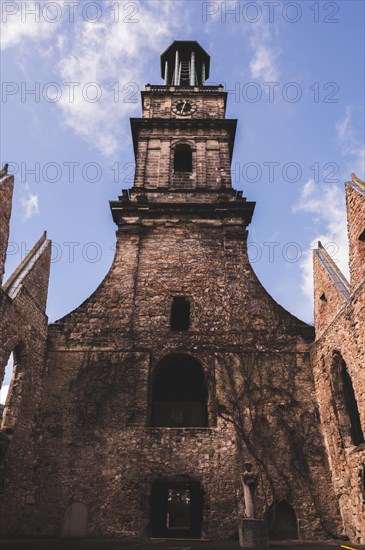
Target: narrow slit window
362,236
183,158
180,314
362,478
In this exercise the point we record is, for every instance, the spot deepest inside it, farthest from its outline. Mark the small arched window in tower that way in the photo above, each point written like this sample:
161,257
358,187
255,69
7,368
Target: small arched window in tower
362,236
356,432
180,313
183,158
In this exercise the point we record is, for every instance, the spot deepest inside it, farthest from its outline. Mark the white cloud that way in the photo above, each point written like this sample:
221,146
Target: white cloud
29,203
351,145
7,378
263,64
3,393
114,55
327,207
23,21
115,51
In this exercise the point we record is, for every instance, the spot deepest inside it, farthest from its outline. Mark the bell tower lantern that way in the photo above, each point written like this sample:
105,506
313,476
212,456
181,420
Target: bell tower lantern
183,144
185,63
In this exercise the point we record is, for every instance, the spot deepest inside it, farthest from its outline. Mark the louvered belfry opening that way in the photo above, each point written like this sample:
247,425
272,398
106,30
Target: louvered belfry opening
185,63
179,393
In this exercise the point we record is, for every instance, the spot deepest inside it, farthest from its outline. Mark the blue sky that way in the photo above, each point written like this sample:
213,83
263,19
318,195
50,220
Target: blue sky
295,72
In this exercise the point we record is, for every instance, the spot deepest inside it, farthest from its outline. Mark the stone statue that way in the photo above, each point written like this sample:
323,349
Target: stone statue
249,481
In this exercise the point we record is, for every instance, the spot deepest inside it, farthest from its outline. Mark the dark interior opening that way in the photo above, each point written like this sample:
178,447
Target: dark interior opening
179,393
176,509
356,432
362,236
362,478
183,158
180,314
282,521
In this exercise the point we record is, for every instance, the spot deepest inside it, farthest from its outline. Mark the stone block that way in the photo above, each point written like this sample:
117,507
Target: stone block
253,534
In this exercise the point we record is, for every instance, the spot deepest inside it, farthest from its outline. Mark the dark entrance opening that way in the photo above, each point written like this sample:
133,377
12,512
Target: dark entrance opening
179,393
176,509
282,521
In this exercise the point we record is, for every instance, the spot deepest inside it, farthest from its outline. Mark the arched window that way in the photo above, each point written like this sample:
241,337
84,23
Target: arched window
179,393
12,387
183,158
8,373
180,314
282,521
356,433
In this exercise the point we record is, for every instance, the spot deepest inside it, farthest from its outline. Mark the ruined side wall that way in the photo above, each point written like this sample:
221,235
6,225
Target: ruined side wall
340,326
328,298
345,335
24,332
355,203
6,195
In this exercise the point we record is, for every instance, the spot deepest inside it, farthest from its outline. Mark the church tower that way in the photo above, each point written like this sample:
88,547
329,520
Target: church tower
180,368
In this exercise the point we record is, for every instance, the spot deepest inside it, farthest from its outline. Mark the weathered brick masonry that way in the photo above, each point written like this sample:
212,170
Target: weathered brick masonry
109,439
340,349
23,333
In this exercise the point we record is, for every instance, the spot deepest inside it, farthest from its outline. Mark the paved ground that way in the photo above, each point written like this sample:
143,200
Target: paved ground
138,544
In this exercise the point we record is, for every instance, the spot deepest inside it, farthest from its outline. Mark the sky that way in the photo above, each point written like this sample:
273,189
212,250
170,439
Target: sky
72,73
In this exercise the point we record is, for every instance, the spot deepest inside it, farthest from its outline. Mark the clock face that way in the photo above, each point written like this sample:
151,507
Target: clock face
183,107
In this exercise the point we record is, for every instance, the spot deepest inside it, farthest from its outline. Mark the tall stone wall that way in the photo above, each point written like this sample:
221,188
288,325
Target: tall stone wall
6,196
95,440
23,332
355,205
340,322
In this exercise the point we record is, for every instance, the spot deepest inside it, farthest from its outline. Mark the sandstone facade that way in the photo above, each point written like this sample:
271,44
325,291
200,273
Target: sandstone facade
23,333
180,367
338,358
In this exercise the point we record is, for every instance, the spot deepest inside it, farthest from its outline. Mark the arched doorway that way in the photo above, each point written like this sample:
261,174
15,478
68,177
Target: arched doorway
179,396
176,509
75,520
282,521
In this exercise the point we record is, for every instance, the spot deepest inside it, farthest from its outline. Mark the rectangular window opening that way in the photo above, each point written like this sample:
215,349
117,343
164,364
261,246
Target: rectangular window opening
180,314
